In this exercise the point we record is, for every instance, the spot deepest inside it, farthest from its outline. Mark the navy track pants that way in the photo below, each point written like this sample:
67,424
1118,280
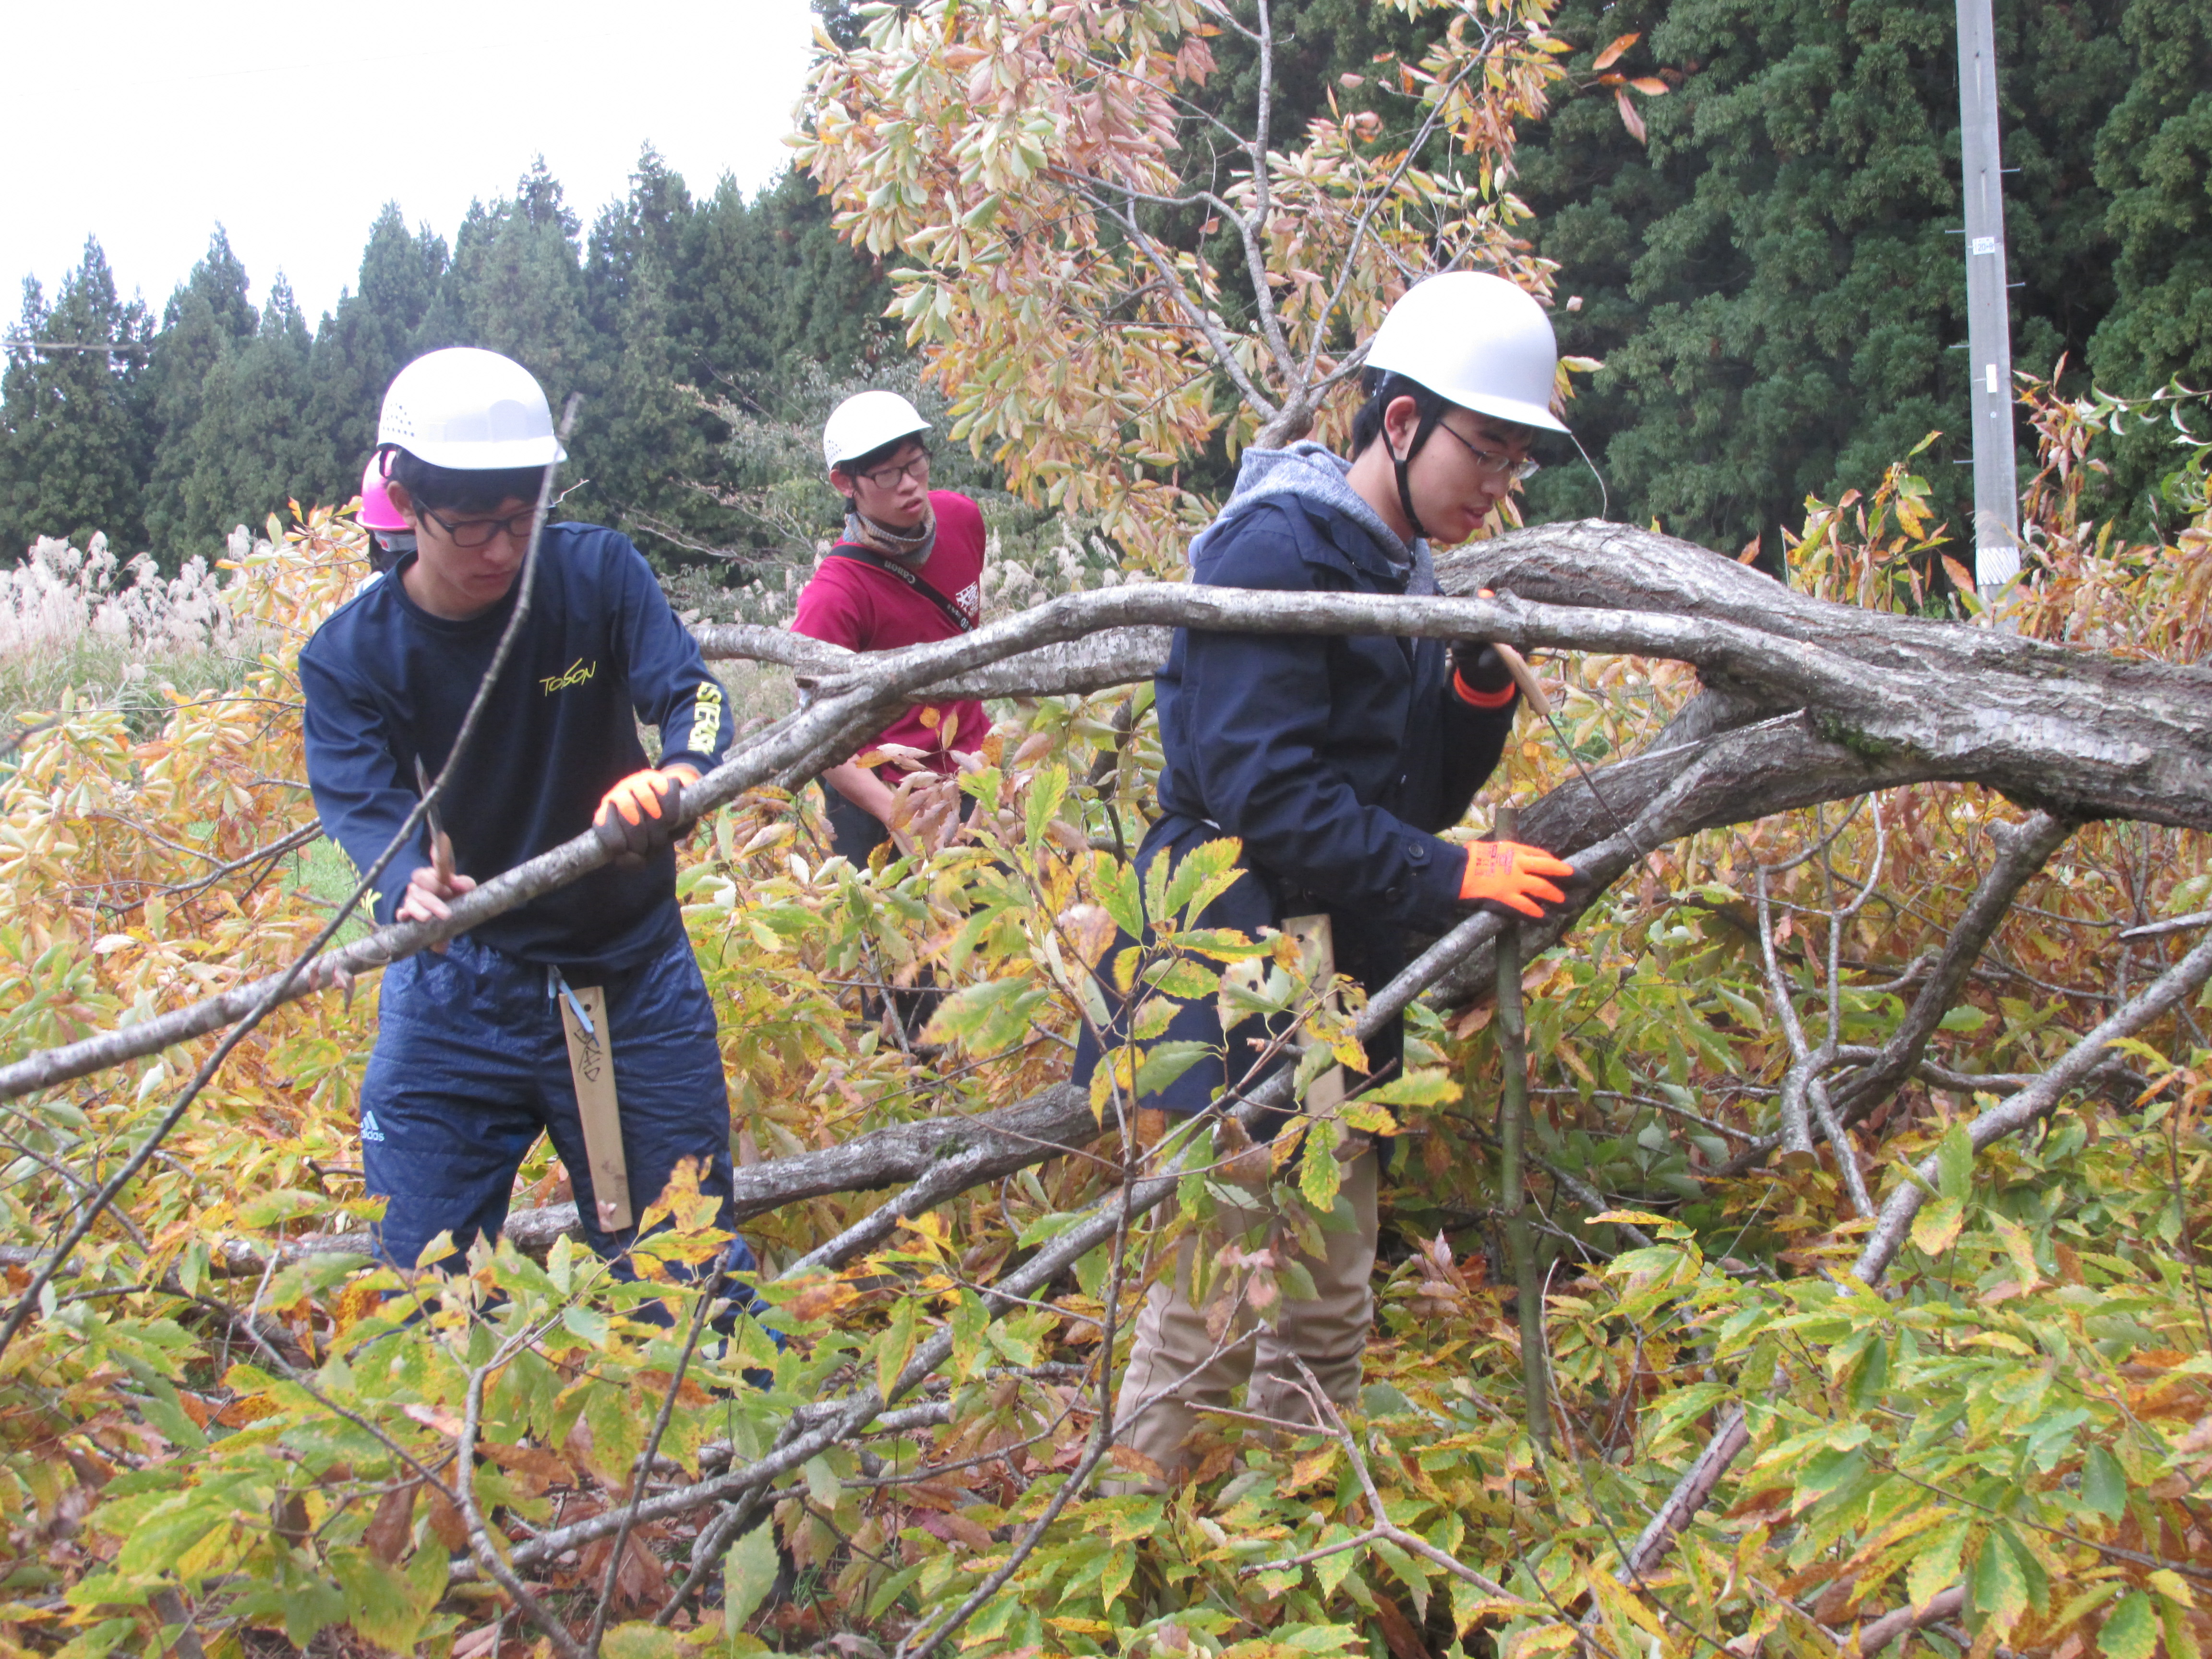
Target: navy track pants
471,1065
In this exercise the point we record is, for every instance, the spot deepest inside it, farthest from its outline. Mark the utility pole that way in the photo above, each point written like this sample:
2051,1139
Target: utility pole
1988,320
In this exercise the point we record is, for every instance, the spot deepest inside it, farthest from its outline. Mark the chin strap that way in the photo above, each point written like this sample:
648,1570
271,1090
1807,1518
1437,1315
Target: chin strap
1406,495
1400,463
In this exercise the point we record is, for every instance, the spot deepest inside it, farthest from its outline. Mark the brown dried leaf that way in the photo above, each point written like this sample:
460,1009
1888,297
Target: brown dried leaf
392,1525
1397,1629
1129,1458
446,1522
1629,118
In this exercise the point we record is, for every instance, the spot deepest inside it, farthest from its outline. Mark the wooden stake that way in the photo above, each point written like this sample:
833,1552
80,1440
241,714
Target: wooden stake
592,1065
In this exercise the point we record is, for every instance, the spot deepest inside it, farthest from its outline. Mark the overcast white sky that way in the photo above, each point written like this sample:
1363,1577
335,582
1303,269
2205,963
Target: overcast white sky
293,123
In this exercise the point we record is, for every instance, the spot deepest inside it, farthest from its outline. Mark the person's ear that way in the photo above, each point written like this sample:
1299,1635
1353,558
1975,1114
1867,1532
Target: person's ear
403,504
1401,420
841,482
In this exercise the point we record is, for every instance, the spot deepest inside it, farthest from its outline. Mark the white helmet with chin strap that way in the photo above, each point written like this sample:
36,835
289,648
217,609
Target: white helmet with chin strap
1476,340
1471,340
469,410
866,421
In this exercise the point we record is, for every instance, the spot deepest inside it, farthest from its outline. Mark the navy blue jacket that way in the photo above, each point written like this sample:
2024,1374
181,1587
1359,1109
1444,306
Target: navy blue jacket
385,681
1335,759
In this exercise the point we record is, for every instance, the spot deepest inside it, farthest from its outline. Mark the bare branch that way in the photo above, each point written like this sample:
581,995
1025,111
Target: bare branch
2022,850
1879,1633
2017,1111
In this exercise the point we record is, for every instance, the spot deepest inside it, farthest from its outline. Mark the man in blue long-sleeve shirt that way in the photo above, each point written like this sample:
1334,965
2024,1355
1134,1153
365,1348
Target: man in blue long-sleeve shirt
471,1063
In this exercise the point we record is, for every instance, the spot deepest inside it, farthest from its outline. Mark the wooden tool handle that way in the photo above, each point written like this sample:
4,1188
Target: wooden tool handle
1524,676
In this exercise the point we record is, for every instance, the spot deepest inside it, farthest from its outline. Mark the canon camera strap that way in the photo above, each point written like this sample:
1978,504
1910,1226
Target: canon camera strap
952,612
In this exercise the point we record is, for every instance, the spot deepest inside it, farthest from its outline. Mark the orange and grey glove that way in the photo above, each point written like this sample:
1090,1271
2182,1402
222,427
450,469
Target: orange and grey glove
1479,675
1506,872
636,817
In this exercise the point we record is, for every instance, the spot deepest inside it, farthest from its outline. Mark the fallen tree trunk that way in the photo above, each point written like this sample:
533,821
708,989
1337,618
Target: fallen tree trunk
1885,700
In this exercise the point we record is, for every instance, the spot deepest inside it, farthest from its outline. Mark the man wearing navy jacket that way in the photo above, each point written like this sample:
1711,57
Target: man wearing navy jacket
1336,762
472,1062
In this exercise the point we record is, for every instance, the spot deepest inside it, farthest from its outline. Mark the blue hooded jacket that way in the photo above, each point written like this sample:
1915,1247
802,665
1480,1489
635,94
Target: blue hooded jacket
1335,760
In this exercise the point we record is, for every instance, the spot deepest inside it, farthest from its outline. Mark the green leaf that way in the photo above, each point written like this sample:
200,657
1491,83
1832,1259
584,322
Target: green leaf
1319,1176
1116,886
1329,1571
1221,944
587,1324
1965,1018
748,1576
1955,1157
2104,1484
1998,1587
1206,872
617,1435
892,1587
1047,791
1432,1087
268,1209
1165,1063
969,1319
640,1638
1183,979
1935,1562
1156,893
388,1607
1407,1572
897,1346
1153,1017
1937,1225
1120,1568
1871,1376
2130,1629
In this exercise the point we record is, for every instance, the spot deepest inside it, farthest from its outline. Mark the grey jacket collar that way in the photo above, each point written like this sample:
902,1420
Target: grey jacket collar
1312,472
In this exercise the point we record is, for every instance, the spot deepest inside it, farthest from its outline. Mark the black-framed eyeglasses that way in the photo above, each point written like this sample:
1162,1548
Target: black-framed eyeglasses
471,533
889,477
1504,466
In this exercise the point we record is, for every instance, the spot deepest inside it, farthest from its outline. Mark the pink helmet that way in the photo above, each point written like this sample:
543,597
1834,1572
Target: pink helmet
377,512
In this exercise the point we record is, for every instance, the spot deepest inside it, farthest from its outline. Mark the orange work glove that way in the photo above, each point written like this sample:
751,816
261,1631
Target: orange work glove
635,817
1506,872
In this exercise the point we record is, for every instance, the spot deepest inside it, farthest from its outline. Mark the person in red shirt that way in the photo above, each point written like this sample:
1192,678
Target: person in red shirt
907,570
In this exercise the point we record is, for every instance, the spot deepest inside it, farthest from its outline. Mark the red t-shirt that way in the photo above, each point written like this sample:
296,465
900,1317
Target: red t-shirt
850,603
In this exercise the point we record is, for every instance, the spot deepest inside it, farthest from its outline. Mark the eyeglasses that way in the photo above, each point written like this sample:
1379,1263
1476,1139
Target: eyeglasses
889,477
1504,466
471,533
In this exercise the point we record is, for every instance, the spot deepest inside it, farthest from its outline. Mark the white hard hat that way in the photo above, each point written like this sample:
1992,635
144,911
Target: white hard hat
1476,340
865,422
470,410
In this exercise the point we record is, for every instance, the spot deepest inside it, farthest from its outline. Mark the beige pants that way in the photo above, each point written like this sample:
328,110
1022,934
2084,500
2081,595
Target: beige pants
1176,1365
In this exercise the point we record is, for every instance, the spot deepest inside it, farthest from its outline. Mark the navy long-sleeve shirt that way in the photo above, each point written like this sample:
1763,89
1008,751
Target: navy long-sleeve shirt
385,682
